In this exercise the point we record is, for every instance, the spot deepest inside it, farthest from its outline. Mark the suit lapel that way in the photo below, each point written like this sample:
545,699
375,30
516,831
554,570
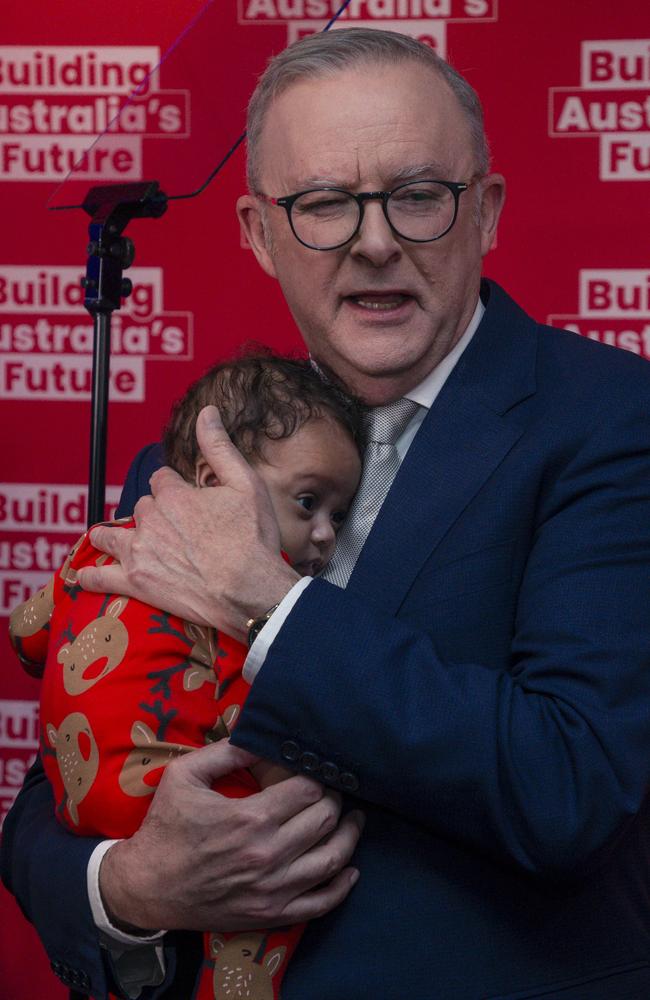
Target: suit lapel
468,431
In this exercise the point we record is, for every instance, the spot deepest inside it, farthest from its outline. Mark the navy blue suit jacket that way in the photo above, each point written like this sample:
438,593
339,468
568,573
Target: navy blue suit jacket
482,688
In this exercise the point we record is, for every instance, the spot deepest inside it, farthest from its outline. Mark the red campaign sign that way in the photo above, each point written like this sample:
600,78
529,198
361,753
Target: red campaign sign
45,158
622,63
160,337
572,246
19,735
377,11
76,69
57,288
46,336
164,113
589,112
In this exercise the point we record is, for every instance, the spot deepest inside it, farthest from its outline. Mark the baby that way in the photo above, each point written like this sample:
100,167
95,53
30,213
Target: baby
127,687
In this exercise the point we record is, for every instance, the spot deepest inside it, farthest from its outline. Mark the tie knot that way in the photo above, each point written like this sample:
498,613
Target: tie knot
384,424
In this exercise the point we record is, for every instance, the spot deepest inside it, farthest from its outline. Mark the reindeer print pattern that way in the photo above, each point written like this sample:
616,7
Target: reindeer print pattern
29,622
127,688
241,970
105,637
202,654
78,770
148,755
224,725
34,614
67,573
197,667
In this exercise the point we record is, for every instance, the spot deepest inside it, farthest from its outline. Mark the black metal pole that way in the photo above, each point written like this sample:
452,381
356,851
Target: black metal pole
99,417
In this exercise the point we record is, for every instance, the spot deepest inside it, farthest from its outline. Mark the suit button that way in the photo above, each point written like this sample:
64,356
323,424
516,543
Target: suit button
309,762
349,782
290,750
329,771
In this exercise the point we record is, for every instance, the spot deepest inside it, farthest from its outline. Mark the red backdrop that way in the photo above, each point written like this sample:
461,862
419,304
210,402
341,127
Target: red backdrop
566,89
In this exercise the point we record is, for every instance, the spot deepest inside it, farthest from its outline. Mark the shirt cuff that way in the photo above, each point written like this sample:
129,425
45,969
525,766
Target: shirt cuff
138,960
259,649
102,923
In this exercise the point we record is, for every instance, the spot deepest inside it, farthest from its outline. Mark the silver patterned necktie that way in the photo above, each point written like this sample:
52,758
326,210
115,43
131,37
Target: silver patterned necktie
384,425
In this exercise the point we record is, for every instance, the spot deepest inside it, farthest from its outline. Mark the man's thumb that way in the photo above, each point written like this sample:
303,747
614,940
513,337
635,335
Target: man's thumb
205,765
217,449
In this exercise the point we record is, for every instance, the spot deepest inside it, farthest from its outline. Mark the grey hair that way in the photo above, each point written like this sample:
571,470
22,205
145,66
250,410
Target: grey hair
326,53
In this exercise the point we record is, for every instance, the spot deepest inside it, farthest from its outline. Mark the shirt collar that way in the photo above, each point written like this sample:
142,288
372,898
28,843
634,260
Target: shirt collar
425,393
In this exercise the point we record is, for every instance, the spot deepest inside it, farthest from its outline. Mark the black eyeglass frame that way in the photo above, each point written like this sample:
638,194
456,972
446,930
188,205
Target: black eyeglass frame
287,202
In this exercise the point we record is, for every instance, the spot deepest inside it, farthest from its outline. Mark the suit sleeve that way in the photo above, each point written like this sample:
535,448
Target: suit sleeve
541,764
45,869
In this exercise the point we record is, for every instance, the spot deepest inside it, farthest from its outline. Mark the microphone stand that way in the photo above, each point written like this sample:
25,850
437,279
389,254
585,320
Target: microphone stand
111,207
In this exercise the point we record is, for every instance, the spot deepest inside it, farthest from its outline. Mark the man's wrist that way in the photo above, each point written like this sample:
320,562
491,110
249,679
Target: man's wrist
255,625
259,649
267,601
119,896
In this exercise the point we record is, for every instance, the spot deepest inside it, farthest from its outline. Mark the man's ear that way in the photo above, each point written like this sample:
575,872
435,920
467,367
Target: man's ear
203,474
493,195
249,211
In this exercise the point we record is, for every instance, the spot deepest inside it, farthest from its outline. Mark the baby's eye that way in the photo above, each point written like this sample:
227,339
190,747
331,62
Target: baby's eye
338,517
307,502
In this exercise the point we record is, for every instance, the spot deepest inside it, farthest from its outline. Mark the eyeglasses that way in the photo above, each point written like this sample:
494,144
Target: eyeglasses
328,218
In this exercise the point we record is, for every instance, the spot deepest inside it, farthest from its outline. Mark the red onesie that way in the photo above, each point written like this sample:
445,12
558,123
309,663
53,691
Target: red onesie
126,688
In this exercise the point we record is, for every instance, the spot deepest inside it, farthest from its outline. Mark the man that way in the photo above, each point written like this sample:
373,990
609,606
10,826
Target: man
480,686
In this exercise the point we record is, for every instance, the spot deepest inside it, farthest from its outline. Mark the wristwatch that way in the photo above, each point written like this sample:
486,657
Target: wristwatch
255,625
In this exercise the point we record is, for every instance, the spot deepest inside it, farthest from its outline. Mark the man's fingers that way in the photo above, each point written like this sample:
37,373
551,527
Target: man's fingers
109,579
104,579
306,828
328,856
320,901
228,465
294,798
205,765
163,478
112,541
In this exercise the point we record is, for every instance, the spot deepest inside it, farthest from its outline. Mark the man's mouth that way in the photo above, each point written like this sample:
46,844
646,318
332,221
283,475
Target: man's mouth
379,301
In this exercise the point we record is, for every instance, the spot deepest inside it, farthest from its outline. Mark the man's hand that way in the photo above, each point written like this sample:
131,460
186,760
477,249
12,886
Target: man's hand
201,861
211,556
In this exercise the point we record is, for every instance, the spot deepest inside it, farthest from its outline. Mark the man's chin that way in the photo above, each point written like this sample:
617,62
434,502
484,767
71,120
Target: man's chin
369,377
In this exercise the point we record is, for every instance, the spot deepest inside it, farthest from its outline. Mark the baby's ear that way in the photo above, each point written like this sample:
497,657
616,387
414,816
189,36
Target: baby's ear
203,474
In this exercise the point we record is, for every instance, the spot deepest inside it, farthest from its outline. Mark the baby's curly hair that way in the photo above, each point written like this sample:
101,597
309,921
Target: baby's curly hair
260,395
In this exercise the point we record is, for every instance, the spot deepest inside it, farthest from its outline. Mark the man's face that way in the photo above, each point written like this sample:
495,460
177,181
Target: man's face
380,312
311,477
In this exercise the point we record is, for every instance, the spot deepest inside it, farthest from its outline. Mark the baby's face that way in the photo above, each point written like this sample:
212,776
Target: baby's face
311,477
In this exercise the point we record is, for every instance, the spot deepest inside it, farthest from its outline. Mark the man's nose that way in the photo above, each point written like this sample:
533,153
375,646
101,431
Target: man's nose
375,240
